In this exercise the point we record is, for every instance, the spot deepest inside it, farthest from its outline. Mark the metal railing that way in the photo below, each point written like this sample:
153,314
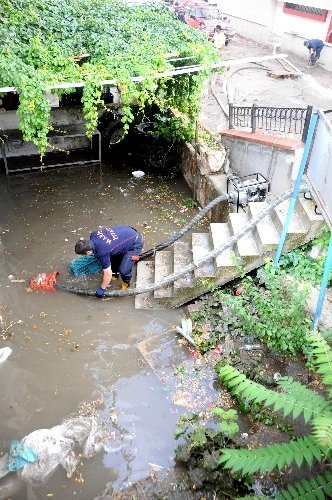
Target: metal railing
283,120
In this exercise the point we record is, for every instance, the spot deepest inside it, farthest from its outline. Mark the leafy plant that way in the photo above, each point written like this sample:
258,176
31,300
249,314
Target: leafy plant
189,203
300,265
293,400
42,41
200,452
273,313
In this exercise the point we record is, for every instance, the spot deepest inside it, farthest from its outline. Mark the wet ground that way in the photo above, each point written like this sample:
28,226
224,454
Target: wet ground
78,355
252,84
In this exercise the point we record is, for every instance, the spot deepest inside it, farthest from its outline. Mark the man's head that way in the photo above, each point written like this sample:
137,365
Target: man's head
84,247
306,43
218,28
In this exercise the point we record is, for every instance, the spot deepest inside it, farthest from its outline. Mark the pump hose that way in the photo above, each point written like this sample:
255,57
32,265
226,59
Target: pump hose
191,267
202,213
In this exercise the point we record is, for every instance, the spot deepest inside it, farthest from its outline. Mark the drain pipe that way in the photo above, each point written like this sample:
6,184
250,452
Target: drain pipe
191,267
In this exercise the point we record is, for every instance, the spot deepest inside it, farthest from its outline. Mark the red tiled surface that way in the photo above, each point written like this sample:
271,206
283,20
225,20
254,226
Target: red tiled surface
265,139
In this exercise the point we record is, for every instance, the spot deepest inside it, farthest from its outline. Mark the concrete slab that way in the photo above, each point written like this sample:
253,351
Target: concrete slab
145,276
163,268
183,256
202,244
246,247
265,234
220,235
186,376
279,215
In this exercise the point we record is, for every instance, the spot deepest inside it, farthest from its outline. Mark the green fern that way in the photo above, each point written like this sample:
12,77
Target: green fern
320,355
292,398
274,456
322,431
295,398
319,487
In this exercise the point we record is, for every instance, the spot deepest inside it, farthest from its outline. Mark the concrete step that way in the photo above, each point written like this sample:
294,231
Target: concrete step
265,233
306,210
183,256
144,277
163,268
295,228
220,234
246,247
201,245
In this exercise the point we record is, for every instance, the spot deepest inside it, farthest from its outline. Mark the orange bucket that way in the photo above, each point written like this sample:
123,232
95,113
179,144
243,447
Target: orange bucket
44,282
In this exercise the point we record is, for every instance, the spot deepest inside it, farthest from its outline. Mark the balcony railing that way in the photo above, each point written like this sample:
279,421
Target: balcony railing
271,119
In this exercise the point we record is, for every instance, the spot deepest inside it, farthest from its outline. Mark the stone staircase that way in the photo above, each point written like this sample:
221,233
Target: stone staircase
248,253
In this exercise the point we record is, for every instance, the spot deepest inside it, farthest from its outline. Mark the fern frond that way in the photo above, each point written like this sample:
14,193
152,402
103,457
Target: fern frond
320,487
322,431
270,457
320,355
238,384
302,393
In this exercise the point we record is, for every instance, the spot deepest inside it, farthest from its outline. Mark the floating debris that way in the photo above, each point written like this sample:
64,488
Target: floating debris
138,174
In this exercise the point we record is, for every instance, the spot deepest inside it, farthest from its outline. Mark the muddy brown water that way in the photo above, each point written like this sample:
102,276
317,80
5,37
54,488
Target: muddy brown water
74,354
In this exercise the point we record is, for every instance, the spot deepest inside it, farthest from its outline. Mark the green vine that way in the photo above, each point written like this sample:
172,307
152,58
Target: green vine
41,42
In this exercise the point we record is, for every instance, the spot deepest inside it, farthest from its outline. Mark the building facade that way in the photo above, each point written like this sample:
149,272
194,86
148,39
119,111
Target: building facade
289,23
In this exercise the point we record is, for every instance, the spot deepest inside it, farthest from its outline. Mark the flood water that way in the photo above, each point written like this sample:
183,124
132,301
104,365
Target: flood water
75,355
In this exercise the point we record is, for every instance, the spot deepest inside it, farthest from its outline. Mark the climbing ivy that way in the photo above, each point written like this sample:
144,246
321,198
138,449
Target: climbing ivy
39,39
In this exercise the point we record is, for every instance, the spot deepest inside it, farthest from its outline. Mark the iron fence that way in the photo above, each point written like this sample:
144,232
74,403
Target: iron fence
284,120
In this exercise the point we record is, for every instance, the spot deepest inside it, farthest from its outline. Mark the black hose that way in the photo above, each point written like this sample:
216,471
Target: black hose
202,213
191,267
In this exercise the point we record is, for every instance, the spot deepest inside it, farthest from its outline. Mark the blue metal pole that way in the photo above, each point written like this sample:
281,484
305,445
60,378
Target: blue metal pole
296,189
323,285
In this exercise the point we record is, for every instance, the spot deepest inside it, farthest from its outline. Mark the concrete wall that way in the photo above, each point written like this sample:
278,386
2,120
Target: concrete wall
264,21
204,184
277,164
293,30
251,18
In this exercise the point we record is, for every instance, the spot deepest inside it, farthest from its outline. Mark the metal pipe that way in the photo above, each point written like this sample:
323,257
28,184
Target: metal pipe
323,286
296,189
191,69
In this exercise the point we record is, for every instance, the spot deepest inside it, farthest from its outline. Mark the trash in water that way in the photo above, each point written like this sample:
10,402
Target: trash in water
251,347
186,330
19,456
5,352
57,446
138,174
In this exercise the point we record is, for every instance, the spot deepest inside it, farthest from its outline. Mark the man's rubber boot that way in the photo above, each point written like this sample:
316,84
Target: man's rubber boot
124,286
115,277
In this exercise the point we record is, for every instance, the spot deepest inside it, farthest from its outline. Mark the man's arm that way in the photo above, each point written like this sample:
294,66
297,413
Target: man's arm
107,276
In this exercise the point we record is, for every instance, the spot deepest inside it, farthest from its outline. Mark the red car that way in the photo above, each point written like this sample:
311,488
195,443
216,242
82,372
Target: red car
210,16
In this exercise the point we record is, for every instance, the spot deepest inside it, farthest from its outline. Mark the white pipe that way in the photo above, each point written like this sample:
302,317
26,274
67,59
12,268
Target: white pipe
191,69
291,65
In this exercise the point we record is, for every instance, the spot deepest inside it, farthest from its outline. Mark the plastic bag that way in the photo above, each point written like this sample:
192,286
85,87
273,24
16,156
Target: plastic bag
55,447
19,456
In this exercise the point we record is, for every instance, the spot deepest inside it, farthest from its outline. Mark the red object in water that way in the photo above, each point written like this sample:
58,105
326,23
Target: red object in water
44,282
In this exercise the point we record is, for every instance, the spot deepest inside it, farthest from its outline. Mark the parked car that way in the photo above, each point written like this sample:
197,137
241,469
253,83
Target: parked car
211,16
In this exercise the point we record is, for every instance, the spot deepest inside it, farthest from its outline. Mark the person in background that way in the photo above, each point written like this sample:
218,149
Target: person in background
193,21
115,247
202,26
218,39
180,11
315,47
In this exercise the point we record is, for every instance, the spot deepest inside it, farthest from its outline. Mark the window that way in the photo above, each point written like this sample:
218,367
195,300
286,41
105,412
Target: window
304,11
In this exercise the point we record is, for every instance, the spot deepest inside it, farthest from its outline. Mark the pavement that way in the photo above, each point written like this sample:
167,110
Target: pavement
251,84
